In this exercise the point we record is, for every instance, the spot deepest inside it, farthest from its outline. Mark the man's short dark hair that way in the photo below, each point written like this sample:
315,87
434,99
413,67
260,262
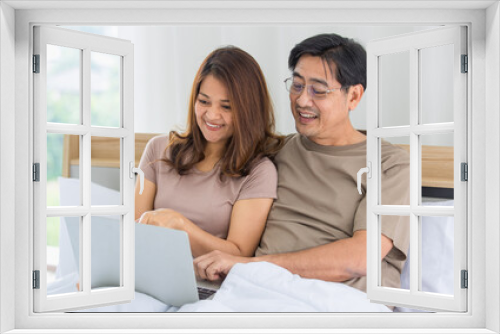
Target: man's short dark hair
348,56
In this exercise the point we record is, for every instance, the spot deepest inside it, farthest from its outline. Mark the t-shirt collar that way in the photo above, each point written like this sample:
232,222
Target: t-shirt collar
312,146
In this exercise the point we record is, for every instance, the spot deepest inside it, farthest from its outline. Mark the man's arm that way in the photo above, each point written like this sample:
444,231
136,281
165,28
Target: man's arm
336,262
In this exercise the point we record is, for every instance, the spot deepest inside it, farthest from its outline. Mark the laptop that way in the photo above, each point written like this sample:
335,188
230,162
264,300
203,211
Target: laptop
163,261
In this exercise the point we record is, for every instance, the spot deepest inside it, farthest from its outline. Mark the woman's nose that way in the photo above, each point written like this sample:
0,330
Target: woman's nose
213,112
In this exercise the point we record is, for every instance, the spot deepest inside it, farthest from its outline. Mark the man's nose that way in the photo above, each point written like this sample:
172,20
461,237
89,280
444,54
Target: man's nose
304,99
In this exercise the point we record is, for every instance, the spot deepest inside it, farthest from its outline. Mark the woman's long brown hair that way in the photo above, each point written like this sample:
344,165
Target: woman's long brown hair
253,116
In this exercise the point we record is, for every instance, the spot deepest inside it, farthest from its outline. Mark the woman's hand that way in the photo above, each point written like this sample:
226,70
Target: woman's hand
165,218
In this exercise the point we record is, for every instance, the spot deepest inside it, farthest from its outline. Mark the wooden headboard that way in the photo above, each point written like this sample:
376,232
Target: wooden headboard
437,166
105,152
437,161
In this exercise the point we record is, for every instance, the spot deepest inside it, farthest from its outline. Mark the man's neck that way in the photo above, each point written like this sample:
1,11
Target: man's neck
350,136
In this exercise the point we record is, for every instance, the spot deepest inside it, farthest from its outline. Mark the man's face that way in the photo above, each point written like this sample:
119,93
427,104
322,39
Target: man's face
319,120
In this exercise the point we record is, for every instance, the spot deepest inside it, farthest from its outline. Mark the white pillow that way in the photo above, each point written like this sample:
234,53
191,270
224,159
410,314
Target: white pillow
437,255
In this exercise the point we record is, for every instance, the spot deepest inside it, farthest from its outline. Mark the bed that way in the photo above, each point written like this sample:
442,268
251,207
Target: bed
264,287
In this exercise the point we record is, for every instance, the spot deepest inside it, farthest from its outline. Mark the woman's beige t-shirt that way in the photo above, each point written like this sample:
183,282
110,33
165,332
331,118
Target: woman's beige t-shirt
201,196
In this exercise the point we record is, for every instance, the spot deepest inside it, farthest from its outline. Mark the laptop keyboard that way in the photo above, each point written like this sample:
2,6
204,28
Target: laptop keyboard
204,293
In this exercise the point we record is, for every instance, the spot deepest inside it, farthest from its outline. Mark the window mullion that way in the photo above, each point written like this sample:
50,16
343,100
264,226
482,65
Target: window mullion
415,167
85,175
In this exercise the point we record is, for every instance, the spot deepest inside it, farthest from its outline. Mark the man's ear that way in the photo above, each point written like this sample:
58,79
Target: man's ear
354,95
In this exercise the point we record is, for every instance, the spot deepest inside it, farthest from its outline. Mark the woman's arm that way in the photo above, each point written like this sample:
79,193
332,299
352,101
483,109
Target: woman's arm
144,202
248,220
247,223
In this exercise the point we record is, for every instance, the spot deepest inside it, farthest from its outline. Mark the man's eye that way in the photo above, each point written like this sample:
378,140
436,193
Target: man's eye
297,86
318,90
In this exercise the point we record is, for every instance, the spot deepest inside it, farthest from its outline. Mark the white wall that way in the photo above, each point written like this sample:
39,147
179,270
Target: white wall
7,168
492,157
167,58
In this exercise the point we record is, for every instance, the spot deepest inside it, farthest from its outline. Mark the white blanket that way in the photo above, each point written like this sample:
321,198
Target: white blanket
265,287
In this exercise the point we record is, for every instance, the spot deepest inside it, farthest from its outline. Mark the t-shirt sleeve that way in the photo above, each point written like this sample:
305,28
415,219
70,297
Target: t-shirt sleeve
262,182
395,191
152,152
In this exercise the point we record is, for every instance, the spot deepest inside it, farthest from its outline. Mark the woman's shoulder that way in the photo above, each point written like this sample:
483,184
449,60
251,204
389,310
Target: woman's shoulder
157,144
263,166
159,140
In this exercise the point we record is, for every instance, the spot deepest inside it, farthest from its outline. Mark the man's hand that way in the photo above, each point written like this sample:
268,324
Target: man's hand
216,265
164,218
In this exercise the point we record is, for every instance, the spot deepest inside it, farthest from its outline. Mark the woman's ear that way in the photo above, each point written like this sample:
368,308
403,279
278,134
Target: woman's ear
354,95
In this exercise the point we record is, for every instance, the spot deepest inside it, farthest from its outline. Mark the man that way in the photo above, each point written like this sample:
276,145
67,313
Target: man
317,226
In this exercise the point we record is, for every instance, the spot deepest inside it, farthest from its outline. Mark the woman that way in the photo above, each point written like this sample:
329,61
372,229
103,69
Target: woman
215,181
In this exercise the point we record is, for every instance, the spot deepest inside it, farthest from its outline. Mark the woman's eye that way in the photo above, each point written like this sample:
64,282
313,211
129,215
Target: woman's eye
227,107
202,101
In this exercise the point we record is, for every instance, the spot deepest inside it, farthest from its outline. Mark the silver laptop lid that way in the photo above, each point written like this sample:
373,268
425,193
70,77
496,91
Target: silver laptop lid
163,260
164,265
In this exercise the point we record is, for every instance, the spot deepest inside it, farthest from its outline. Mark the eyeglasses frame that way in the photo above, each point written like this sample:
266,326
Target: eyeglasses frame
308,88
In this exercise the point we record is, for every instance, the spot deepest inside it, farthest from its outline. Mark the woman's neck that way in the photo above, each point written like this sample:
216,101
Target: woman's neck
213,153
214,150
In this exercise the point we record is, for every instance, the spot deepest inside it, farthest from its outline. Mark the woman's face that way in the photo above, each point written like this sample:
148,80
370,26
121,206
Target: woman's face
213,111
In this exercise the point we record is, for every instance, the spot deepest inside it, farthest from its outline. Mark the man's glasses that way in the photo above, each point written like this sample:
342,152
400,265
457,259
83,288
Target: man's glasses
316,91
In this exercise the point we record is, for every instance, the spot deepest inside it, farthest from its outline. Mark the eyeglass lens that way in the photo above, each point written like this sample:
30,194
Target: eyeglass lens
315,90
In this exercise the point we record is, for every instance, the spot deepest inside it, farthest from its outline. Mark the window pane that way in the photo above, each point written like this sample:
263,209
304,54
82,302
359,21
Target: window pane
63,249
105,248
105,89
106,167
395,184
436,84
392,265
437,167
437,241
63,84
63,152
394,89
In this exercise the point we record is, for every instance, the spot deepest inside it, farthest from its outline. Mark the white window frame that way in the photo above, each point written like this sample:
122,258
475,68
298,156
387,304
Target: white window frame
86,44
413,43
484,104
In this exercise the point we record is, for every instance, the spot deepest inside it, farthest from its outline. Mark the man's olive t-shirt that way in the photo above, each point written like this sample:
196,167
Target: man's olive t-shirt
318,201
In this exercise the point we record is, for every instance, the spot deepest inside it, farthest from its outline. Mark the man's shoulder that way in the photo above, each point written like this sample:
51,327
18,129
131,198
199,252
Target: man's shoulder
291,141
291,138
394,149
393,154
